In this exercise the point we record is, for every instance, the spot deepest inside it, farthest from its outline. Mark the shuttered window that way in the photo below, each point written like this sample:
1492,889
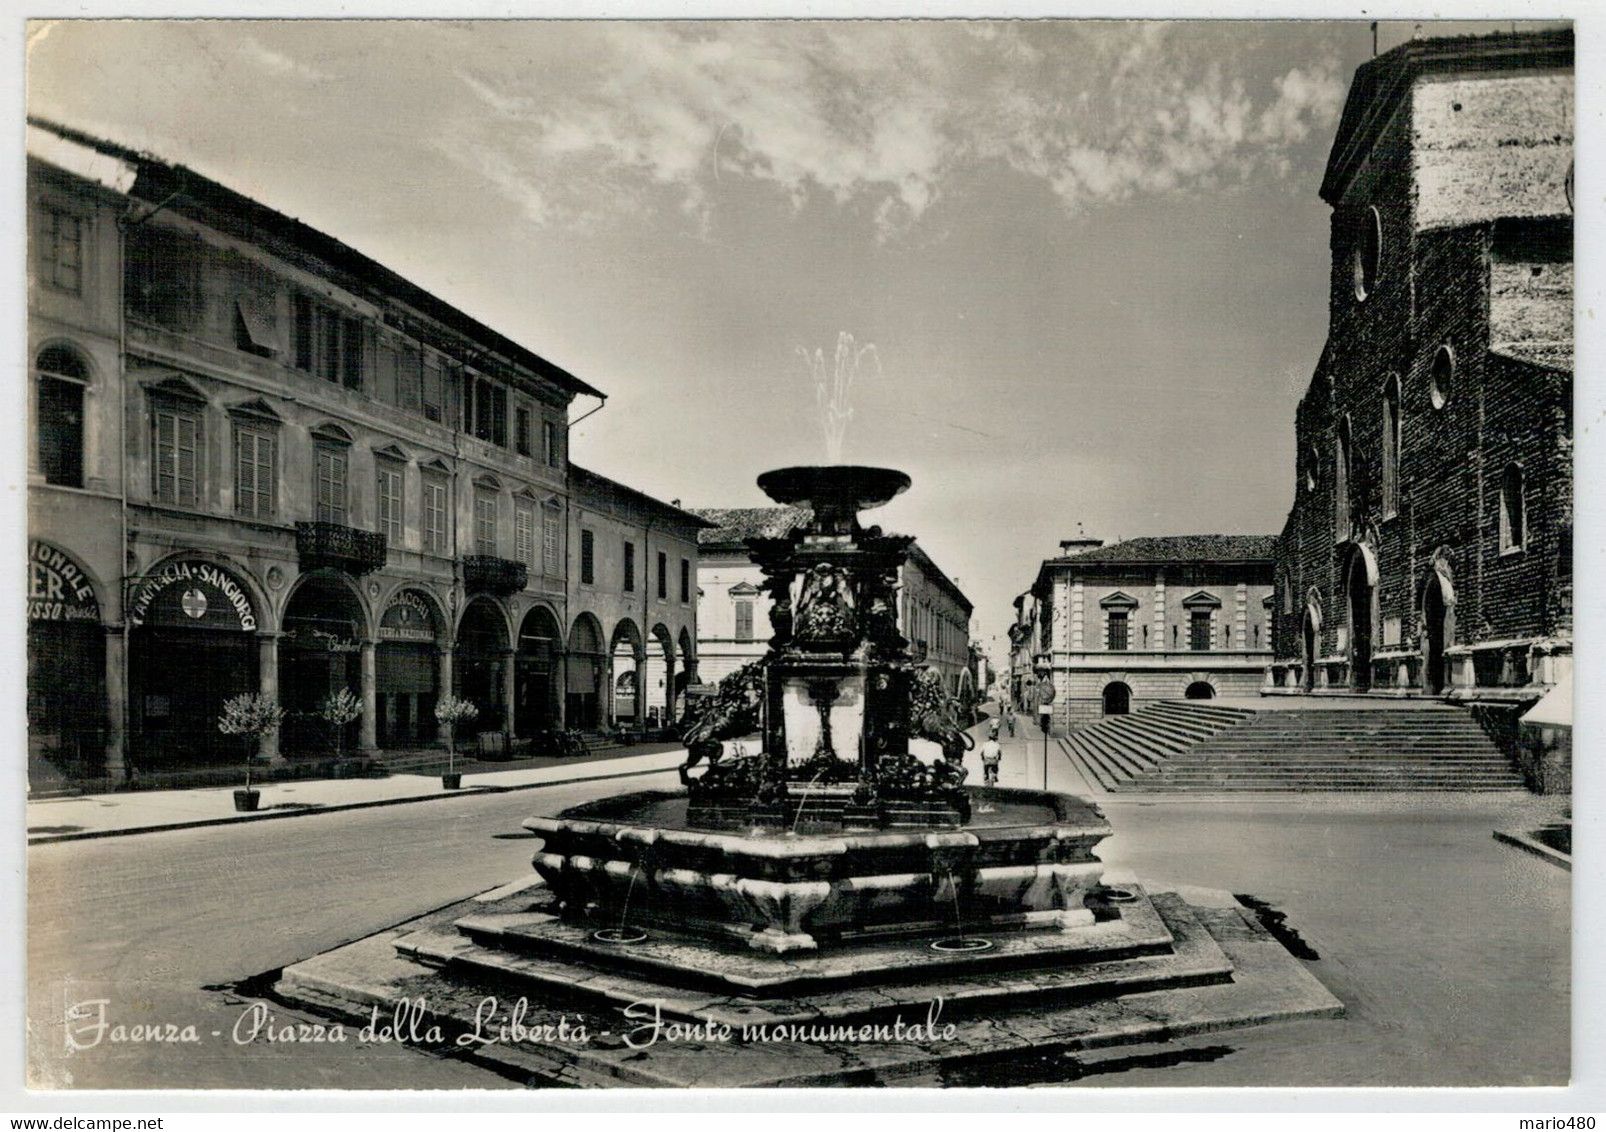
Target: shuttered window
176,435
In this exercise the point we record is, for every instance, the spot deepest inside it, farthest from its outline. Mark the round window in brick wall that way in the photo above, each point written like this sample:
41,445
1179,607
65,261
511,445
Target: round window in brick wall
1442,376
1366,252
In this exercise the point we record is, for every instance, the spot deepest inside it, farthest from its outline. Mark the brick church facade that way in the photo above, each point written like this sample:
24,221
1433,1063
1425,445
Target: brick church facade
1428,550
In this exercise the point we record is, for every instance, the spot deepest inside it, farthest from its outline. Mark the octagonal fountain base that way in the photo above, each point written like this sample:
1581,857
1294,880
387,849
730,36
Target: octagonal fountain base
648,953
1025,861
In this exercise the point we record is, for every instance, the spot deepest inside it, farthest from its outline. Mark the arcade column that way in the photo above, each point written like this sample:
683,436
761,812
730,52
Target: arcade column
445,681
509,688
368,725
116,700
268,686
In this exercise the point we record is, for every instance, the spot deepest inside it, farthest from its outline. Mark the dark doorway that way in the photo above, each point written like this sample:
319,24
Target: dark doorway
1434,633
319,654
1117,699
1360,624
535,701
1200,690
583,706
1309,634
482,646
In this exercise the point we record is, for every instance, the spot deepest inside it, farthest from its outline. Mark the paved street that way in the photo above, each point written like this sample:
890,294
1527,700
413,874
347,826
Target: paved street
1449,949
148,921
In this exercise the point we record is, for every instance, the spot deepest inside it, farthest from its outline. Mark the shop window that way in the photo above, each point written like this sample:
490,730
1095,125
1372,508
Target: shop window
63,378
434,513
61,250
588,557
1513,514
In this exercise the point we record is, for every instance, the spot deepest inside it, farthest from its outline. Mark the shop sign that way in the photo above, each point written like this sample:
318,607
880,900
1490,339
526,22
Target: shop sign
58,589
408,618
193,594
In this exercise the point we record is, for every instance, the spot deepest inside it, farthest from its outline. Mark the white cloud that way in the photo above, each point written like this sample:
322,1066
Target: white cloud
888,112
277,62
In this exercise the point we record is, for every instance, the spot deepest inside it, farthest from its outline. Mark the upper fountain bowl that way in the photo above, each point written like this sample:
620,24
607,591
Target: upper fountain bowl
834,487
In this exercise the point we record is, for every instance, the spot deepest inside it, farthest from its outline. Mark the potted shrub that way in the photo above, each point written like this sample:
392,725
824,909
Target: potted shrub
253,717
338,710
449,712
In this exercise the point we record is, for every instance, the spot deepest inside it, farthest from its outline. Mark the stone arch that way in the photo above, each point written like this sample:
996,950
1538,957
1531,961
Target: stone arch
413,632
194,641
1360,609
538,672
627,647
1310,632
266,614
325,623
662,664
1200,686
483,650
1116,697
585,664
1437,607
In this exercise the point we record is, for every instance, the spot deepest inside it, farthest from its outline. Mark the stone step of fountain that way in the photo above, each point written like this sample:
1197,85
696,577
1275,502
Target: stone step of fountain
1225,971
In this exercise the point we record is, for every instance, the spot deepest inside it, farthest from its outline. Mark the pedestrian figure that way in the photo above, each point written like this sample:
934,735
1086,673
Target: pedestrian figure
1009,718
991,755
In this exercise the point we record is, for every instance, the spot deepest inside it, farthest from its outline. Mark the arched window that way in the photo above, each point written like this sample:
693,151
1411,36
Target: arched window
1366,251
1513,517
63,377
1341,472
1391,446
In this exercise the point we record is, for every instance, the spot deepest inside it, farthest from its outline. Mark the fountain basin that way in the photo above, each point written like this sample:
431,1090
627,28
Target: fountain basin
1026,863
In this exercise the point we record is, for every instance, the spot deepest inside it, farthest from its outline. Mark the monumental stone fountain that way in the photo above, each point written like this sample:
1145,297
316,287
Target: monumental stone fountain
841,878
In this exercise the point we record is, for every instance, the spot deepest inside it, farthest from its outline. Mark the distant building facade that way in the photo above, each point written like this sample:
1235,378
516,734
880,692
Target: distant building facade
933,613
1157,618
261,462
633,595
1429,546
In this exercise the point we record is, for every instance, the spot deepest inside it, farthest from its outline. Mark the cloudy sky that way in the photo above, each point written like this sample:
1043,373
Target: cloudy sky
1090,256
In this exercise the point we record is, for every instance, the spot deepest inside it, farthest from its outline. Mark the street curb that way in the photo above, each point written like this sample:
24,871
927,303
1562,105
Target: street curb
1520,840
234,819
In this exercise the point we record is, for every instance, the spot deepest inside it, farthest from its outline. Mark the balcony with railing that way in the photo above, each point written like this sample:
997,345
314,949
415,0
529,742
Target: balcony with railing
484,573
339,547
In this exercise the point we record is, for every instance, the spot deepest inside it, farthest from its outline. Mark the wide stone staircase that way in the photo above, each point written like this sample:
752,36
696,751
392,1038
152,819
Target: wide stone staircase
1193,746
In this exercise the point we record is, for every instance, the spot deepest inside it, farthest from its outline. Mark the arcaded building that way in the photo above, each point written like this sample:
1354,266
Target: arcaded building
1167,617
733,620
261,461
1428,550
